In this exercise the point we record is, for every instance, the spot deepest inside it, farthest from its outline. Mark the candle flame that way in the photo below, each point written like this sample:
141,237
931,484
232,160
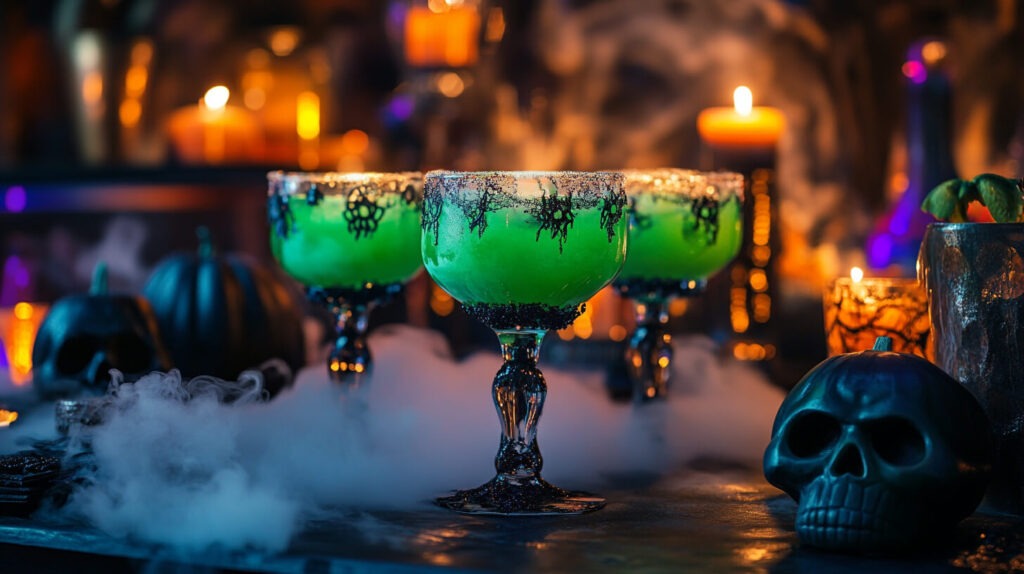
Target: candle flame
743,100
216,98
856,274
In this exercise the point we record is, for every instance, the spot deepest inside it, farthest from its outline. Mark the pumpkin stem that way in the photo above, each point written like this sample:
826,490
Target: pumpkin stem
205,241
99,279
883,343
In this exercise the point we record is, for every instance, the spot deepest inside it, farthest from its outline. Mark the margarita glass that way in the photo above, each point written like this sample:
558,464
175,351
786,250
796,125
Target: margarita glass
522,251
353,240
683,227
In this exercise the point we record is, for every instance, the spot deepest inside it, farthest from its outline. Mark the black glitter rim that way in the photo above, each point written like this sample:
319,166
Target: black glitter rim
369,196
478,193
524,316
703,194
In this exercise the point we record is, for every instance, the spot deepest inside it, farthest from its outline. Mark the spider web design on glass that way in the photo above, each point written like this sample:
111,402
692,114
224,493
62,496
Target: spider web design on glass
362,213
554,209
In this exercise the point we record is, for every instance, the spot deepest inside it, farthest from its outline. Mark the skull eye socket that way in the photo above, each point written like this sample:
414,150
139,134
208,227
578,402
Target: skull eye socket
129,353
812,433
896,440
76,353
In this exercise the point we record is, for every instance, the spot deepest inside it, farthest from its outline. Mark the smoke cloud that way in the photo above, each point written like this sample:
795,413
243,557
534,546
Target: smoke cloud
197,474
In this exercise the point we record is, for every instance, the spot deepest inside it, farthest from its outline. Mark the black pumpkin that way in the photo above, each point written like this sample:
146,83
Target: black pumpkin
86,335
220,315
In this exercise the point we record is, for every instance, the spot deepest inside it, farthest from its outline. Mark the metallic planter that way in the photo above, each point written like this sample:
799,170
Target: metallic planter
974,273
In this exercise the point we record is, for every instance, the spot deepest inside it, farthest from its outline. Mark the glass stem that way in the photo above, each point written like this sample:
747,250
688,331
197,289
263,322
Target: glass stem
649,355
519,391
350,360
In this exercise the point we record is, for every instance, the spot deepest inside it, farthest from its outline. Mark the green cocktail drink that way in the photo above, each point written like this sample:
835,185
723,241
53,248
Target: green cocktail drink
522,251
362,228
684,226
544,247
508,264
353,240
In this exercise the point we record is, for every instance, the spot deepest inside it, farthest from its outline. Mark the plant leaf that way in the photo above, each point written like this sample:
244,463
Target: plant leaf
943,201
1001,196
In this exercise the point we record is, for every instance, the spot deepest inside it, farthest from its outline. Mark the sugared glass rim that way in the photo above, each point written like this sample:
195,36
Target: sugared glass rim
288,183
340,176
680,181
520,175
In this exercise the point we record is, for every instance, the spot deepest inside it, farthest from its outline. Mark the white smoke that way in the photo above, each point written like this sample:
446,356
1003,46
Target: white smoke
200,474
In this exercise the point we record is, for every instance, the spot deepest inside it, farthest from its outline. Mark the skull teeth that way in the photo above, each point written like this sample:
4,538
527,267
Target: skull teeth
845,514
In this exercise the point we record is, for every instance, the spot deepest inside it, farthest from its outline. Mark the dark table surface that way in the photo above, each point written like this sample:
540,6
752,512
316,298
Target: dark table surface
699,520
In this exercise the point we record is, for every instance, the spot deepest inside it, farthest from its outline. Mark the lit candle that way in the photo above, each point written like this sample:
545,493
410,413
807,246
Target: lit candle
214,132
858,309
743,139
444,33
18,327
741,126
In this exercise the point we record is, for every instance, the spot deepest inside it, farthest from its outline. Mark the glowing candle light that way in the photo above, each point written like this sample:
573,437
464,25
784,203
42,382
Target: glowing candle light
442,34
743,138
215,132
18,327
858,309
212,110
742,125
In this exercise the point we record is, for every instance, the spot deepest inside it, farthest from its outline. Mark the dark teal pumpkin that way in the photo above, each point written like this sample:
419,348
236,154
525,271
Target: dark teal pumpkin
222,314
86,335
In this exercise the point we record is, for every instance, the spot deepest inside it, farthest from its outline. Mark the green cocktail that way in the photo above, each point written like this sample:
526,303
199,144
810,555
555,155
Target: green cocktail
353,240
522,251
677,234
684,226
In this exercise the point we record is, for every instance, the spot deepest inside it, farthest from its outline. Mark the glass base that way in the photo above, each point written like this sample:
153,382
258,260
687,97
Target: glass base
530,497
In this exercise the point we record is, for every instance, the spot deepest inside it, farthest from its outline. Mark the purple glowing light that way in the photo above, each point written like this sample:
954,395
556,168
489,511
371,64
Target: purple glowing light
15,199
15,281
879,251
400,107
916,71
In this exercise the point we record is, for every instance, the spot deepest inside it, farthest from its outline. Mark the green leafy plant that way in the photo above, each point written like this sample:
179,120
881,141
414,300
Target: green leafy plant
1004,198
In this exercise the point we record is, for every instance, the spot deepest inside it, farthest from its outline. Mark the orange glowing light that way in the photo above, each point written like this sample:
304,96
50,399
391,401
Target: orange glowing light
18,327
216,98
23,311
307,115
441,303
7,417
355,142
284,40
92,88
743,125
130,112
743,100
135,80
495,29
857,274
450,85
441,35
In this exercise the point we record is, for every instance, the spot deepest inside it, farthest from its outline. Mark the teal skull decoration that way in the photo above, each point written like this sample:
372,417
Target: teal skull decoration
882,452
